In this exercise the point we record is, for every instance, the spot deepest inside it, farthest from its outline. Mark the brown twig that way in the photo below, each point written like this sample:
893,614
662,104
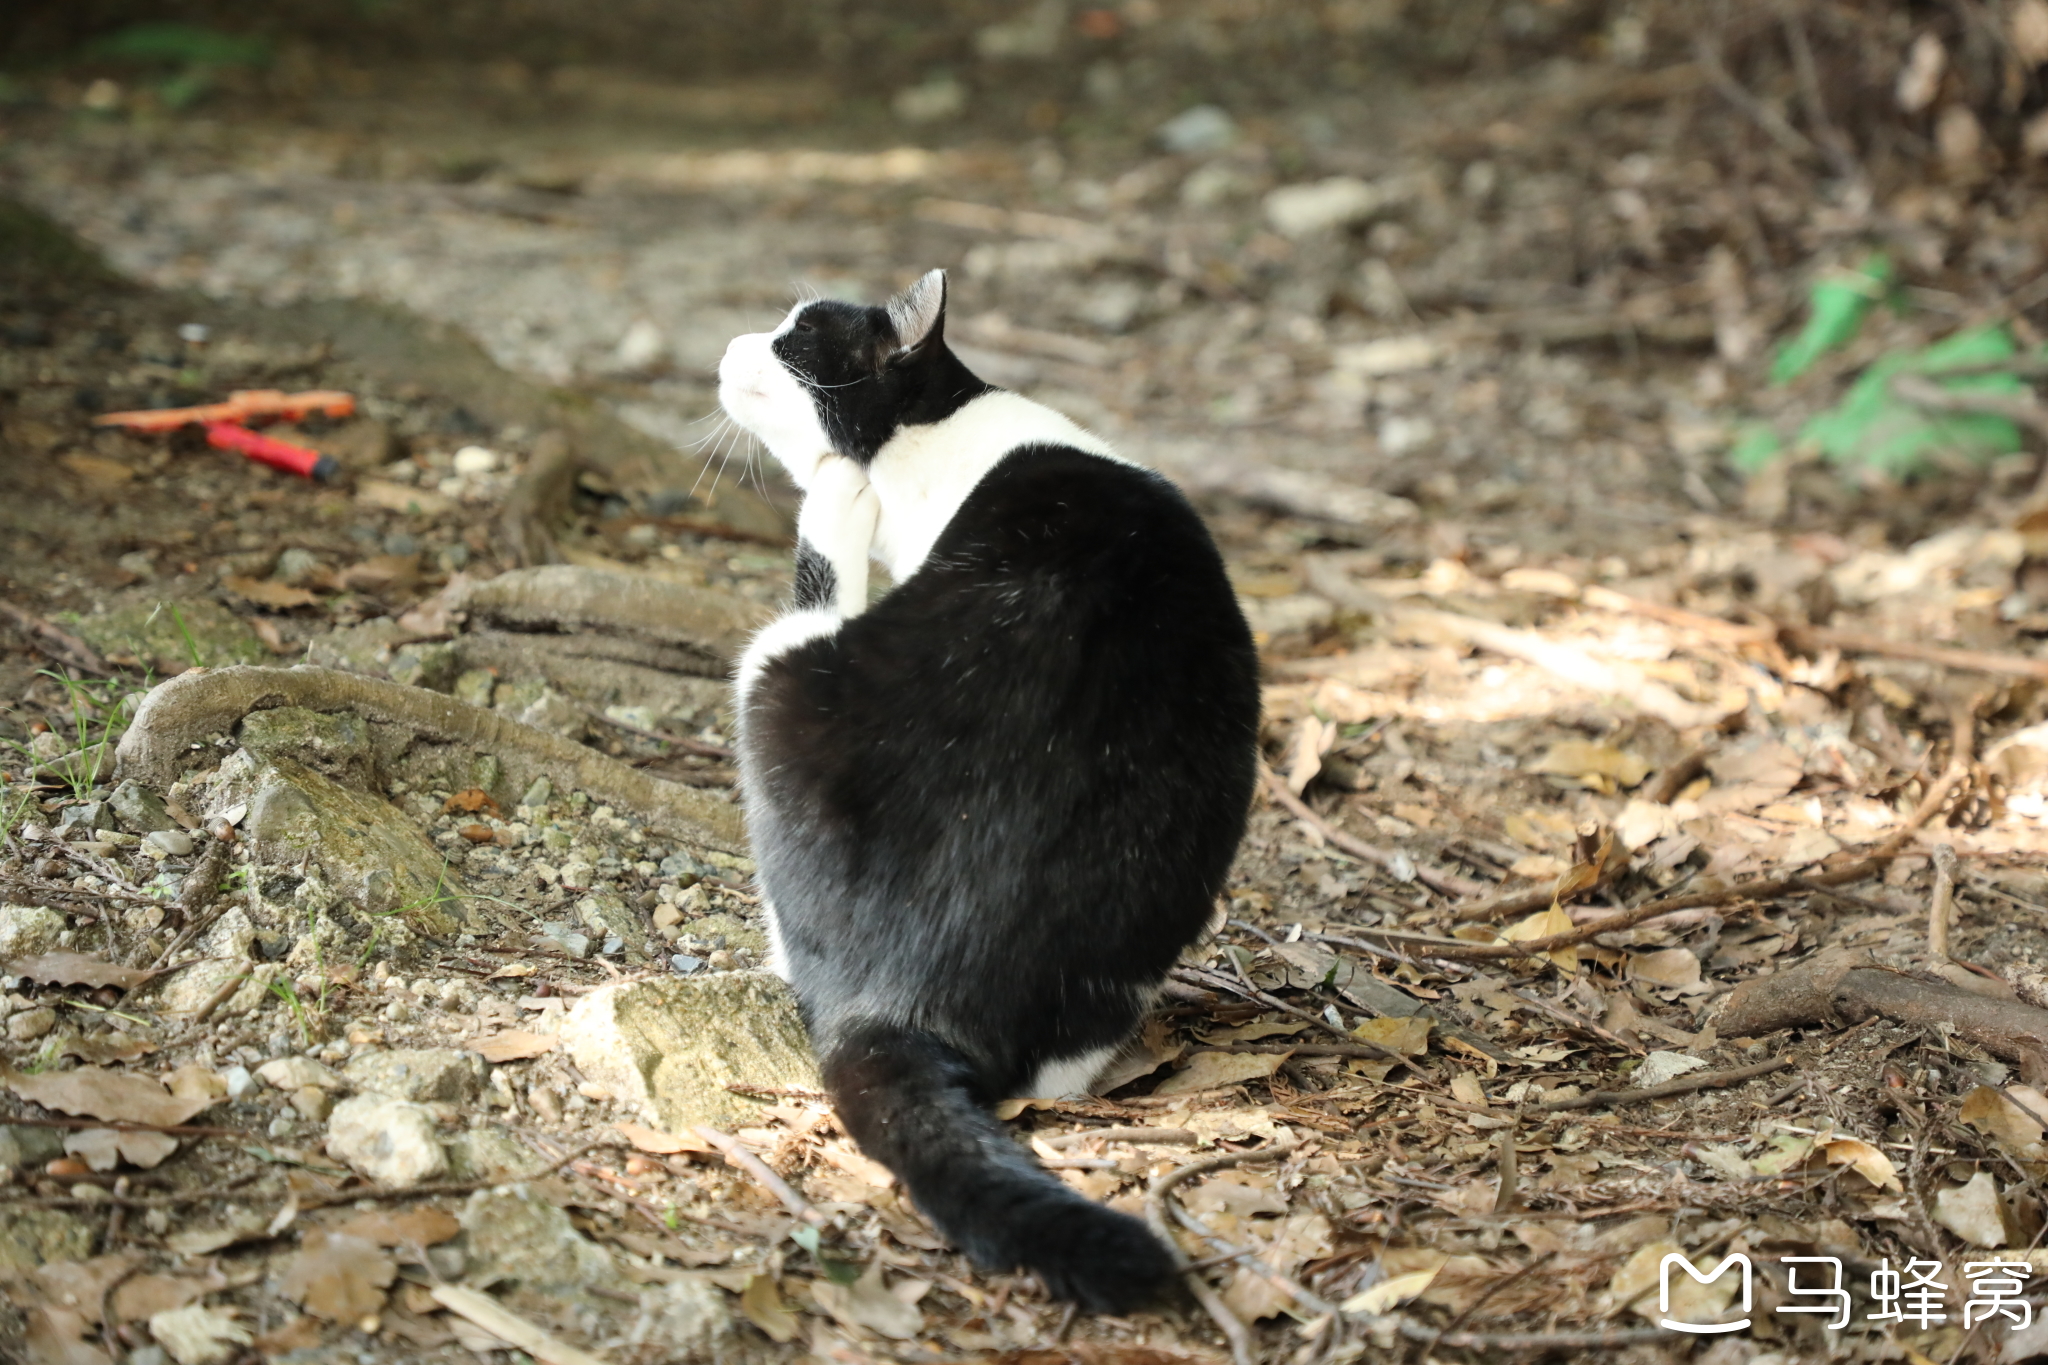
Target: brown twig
1177,1137
1706,1080
1218,981
1938,905
1963,660
683,742
1680,775
1370,1050
1530,1341
758,1169
1448,883
216,1000
1577,1021
1234,1331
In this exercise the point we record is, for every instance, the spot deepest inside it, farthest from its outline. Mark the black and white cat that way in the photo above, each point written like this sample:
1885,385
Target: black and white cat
993,806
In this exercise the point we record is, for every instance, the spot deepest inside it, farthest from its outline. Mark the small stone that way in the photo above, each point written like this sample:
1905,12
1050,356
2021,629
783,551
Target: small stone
479,459
296,1073
475,687
30,1025
239,1081
391,1141
613,945
171,843
1203,128
296,567
685,964
84,818
47,745
140,809
545,1102
313,1102
539,794
515,1233
281,1126
666,916
419,1074
1326,205
32,1237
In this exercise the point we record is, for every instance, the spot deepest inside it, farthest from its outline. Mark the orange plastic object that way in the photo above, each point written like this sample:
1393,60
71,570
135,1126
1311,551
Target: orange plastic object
243,405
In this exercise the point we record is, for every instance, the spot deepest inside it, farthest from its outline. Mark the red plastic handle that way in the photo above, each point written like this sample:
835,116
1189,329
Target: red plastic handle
309,464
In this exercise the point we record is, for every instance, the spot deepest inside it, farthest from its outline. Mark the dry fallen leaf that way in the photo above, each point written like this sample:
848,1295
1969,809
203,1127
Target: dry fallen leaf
762,1302
264,592
1252,1032
862,1167
1389,1293
469,801
380,572
337,1276
1600,767
1671,969
1546,924
1230,1196
111,1095
56,1336
1406,1034
402,1228
513,969
105,1148
513,1045
76,969
196,1082
144,1296
868,1303
1975,1213
97,470
198,1336
1284,1244
106,1047
1214,1070
1866,1160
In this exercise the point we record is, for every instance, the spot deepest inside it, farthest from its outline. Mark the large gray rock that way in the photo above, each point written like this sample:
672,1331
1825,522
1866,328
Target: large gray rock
366,849
33,1237
671,1046
21,1145
419,1074
687,1317
488,1152
26,930
391,1141
515,1234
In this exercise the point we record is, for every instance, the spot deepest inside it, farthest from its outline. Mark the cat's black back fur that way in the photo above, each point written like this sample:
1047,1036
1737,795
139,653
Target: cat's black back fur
990,810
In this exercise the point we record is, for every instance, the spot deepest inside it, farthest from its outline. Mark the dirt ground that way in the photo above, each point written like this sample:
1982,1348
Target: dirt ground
1604,779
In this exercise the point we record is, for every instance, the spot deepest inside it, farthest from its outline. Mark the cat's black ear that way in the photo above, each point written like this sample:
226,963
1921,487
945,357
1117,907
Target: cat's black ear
919,313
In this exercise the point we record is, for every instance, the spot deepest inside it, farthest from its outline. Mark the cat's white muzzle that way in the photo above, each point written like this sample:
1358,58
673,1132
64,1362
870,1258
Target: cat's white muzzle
758,392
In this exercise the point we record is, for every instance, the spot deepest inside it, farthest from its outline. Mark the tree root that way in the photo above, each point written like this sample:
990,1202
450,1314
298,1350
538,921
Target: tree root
538,500
695,630
186,711
1847,986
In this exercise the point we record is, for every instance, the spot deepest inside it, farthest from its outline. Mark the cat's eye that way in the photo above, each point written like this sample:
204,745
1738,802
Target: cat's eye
806,325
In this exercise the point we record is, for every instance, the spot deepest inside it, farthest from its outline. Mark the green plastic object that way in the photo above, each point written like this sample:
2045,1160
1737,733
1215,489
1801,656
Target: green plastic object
1835,309
1873,429
172,43
1756,445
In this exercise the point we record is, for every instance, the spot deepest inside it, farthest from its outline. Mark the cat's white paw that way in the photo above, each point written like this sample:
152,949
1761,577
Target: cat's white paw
838,520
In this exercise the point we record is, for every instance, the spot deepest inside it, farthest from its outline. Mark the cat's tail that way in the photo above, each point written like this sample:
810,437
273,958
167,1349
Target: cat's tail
907,1099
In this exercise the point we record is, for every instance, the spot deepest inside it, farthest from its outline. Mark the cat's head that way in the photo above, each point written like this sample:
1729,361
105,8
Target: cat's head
841,378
